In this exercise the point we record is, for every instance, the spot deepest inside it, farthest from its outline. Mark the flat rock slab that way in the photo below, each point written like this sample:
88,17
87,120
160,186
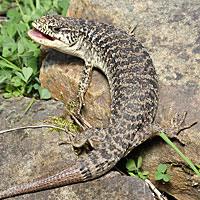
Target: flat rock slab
28,154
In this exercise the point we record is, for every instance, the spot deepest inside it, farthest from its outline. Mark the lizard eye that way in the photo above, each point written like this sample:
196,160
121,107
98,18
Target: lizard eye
56,29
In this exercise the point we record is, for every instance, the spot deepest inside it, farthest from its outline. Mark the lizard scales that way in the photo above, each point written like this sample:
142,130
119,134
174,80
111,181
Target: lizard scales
134,93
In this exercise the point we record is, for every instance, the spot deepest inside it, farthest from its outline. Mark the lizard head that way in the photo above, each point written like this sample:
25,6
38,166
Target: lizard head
58,32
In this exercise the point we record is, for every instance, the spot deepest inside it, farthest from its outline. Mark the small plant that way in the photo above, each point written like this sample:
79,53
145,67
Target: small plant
18,53
161,174
62,123
70,127
135,170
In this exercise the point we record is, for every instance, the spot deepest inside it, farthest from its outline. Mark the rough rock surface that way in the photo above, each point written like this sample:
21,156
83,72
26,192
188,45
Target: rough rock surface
28,154
171,33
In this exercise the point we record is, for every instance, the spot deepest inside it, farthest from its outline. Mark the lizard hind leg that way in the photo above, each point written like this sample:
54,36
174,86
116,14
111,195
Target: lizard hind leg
174,127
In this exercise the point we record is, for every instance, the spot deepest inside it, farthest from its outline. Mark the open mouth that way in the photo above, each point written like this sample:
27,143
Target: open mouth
34,33
47,41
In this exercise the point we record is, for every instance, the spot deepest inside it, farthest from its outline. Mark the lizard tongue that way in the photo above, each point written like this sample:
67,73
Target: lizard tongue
38,34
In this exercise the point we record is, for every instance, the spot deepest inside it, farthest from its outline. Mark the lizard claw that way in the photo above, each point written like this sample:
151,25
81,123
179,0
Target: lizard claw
176,125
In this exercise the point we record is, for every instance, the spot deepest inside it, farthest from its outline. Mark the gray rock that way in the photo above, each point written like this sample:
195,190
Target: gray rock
28,154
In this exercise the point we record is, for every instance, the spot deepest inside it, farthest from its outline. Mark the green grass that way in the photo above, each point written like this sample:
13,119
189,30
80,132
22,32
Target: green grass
187,160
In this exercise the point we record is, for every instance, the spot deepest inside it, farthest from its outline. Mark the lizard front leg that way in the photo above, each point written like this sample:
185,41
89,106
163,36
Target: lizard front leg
83,86
94,137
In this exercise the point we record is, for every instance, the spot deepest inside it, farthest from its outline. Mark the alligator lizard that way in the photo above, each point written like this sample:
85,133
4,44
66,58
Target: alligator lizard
134,93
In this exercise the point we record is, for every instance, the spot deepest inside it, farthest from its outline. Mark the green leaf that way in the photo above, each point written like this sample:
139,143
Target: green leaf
8,41
55,4
9,46
27,72
36,52
21,27
20,47
9,88
16,93
158,175
145,173
20,75
1,38
131,174
27,54
36,86
64,5
27,9
36,14
11,30
37,80
31,62
29,89
5,72
166,177
47,4
22,91
139,162
3,78
6,52
162,168
44,93
14,15
4,31
26,18
32,46
130,165
7,95
140,174
16,81
31,3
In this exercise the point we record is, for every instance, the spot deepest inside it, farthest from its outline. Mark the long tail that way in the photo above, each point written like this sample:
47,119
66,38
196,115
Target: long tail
91,166
66,176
